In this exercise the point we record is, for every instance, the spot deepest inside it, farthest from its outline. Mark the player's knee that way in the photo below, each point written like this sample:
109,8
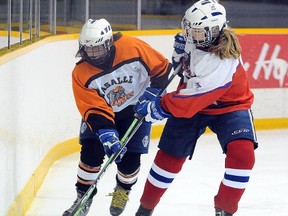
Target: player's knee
92,152
130,163
240,154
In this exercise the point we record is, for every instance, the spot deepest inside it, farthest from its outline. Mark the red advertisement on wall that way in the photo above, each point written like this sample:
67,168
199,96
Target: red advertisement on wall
266,59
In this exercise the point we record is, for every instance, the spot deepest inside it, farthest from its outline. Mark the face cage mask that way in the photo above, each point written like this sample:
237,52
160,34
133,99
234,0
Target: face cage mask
97,55
201,37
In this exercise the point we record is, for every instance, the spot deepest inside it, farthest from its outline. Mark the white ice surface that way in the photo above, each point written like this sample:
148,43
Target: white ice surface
192,191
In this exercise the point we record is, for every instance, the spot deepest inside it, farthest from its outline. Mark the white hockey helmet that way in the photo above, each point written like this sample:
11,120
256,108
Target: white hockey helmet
203,22
96,39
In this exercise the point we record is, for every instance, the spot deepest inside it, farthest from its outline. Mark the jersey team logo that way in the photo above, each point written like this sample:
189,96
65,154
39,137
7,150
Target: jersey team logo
117,96
83,127
145,141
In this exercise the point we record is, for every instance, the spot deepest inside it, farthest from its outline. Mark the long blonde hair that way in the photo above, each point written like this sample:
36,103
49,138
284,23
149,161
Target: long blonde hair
228,45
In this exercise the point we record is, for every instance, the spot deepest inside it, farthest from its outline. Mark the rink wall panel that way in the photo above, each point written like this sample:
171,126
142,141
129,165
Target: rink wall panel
39,122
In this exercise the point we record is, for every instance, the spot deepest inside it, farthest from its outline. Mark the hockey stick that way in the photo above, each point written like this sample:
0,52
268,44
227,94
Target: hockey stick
137,122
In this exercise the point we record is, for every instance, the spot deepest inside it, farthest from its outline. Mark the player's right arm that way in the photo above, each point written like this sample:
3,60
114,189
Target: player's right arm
94,109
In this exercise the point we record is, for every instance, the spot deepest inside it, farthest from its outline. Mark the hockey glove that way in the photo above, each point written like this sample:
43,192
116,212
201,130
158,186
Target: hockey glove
149,94
110,140
150,107
179,49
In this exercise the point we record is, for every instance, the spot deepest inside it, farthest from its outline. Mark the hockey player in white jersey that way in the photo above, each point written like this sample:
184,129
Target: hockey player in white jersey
214,92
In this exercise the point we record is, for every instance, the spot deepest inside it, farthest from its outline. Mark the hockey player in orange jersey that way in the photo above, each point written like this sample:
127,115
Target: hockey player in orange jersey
113,72
214,92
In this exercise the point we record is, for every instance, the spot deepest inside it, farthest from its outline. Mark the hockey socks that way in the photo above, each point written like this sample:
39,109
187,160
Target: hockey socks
239,162
162,173
86,175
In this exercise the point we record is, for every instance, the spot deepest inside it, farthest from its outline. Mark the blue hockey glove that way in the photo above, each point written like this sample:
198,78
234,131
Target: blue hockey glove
151,109
110,140
179,49
149,94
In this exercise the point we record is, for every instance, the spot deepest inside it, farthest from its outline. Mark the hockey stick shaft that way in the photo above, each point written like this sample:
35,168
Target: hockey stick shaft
136,123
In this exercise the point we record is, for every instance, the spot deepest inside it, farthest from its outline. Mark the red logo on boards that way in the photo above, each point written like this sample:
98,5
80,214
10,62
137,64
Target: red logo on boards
266,59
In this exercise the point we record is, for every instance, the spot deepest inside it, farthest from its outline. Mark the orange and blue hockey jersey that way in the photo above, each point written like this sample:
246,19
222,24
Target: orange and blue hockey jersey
211,86
102,91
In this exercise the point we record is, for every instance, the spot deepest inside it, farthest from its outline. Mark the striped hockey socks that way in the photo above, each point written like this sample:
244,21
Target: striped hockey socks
161,175
239,162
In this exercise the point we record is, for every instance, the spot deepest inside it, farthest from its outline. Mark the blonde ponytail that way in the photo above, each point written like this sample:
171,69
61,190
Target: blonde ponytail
228,45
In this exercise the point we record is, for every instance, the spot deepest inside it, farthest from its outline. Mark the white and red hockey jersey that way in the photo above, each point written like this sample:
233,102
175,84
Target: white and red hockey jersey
211,86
